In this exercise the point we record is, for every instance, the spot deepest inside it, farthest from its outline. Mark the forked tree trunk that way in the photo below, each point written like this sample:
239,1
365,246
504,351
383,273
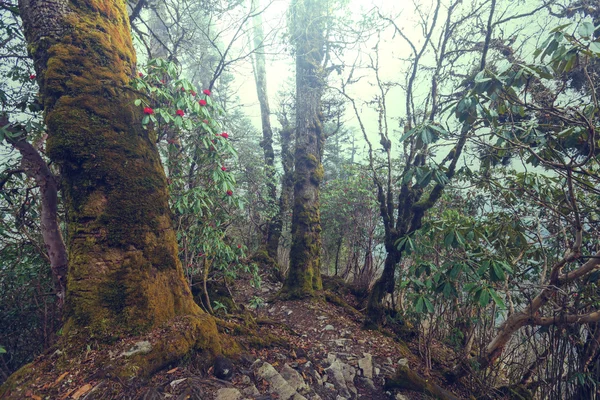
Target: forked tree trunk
304,277
124,274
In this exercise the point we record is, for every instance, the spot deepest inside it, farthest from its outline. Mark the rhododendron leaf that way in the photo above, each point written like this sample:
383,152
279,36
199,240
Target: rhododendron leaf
586,29
497,299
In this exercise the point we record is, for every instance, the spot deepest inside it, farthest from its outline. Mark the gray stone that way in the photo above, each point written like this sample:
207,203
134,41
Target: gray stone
377,371
250,391
366,365
228,394
329,386
277,383
403,362
329,328
368,383
342,376
401,397
294,379
143,347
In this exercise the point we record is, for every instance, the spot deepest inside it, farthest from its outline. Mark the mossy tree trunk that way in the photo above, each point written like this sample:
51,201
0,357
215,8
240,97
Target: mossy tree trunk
124,274
308,38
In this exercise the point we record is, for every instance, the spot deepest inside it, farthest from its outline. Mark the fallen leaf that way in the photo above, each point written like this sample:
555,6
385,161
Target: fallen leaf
67,394
81,391
60,378
172,370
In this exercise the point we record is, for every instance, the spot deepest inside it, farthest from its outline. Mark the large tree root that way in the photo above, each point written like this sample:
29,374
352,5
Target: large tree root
72,368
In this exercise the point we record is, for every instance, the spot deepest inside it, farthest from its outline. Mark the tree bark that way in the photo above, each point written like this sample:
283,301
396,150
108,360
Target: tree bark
37,168
304,277
271,236
124,275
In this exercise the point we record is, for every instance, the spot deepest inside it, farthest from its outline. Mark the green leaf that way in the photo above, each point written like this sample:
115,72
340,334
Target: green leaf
484,298
497,299
459,238
441,131
498,272
419,305
595,47
449,239
408,134
428,136
2,350
137,102
429,305
586,29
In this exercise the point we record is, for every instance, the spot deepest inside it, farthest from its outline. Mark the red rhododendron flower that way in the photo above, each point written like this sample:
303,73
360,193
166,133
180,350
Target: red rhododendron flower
206,92
32,76
183,89
162,81
223,168
148,110
239,246
225,135
205,121
229,193
140,75
192,93
202,102
180,113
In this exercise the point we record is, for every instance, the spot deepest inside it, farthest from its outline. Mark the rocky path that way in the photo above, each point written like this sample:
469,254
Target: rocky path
329,356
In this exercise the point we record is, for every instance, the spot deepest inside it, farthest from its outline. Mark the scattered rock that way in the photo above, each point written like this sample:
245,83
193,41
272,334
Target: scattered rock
143,347
368,383
401,397
228,394
294,379
366,365
251,391
328,328
277,384
342,376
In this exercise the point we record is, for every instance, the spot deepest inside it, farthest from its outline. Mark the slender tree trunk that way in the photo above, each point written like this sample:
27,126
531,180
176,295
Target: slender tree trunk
304,277
124,274
37,168
271,239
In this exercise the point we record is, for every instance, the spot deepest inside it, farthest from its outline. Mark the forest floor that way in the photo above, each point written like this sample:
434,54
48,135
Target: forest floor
307,342
304,349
